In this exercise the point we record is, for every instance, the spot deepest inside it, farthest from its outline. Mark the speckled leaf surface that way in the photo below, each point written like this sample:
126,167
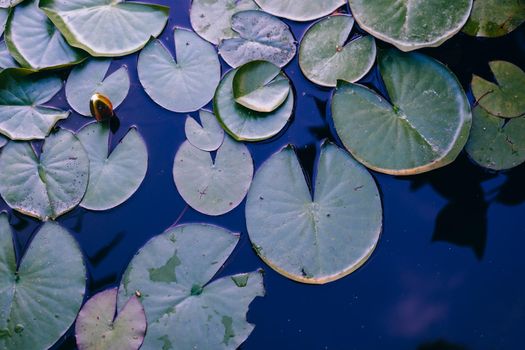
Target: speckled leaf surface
207,136
300,10
494,18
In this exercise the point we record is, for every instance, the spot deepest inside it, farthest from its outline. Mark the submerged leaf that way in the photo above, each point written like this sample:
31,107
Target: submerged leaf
209,136
300,10
494,18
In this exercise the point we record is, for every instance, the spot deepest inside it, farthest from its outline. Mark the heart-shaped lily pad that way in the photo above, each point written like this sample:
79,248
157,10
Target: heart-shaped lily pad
209,136
260,37
9,3
325,56
423,127
184,85
40,297
89,78
213,187
106,27
493,18
507,97
315,239
300,10
172,273
44,187
98,329
411,25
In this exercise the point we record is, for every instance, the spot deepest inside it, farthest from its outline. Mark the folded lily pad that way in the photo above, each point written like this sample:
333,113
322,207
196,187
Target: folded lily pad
40,297
184,85
106,28
494,18
507,97
300,10
260,37
44,187
314,239
325,56
423,127
9,3
209,136
411,25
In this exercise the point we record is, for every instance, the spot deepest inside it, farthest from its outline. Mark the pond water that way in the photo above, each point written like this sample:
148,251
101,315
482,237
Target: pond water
449,266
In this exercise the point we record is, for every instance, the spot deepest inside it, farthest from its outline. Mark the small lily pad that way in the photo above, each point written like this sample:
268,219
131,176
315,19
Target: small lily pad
494,18
300,10
209,136
184,85
260,37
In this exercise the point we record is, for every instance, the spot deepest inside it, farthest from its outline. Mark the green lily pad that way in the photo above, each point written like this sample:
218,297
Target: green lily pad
106,28
40,298
89,78
494,18
213,187
98,329
184,309
244,124
423,127
209,136
211,19
314,239
300,10
4,4
506,98
260,37
48,186
260,86
3,19
113,178
411,25
325,57
184,85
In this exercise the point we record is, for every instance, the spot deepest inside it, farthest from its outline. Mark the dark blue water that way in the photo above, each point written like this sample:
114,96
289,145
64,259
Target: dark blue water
449,268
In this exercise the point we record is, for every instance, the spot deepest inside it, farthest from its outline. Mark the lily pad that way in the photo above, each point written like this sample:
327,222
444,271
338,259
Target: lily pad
314,239
106,28
507,97
3,19
3,141
209,136
89,78
184,309
325,56
211,19
98,329
244,124
113,178
300,10
494,18
213,187
184,85
9,3
260,86
423,127
260,37
44,187
411,25
40,297
6,60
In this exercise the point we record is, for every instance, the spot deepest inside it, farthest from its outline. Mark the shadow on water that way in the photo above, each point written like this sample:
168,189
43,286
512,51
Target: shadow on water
441,345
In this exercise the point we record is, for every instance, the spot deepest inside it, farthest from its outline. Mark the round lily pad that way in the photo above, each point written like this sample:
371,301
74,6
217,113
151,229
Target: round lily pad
184,309
213,187
209,136
300,10
244,124
494,18
411,25
40,297
44,187
423,127
325,56
315,239
106,28
184,85
260,37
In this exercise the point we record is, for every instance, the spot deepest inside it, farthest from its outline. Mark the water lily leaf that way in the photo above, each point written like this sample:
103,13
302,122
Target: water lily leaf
211,19
507,97
6,60
3,18
89,78
44,187
184,85
209,136
423,127
299,10
260,37
106,28
3,141
260,86
98,329
183,309
4,4
411,25
213,187
325,56
113,178
494,18
244,124
314,240
39,299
